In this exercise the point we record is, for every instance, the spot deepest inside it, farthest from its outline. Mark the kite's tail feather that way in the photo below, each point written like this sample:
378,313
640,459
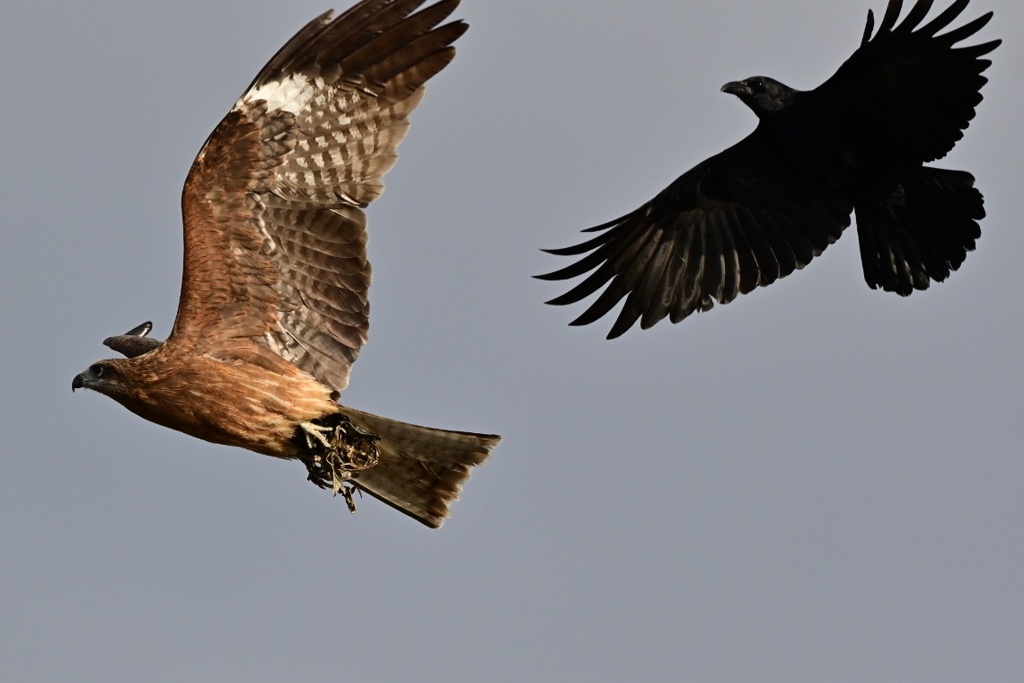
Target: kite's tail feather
421,470
921,233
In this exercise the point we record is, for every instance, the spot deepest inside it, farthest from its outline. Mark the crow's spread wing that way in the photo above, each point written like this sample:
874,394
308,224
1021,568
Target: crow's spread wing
908,86
737,221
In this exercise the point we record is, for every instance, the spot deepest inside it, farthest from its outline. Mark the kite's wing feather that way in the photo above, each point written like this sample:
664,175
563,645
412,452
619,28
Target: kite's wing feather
275,240
134,342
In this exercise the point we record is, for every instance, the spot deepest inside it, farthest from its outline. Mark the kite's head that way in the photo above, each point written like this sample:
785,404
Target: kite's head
761,94
114,377
105,376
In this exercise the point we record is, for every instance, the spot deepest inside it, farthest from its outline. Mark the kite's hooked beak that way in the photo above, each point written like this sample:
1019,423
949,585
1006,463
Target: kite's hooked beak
77,383
737,88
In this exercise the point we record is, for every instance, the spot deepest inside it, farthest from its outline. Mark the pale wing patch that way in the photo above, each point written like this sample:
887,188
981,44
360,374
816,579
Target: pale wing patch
292,94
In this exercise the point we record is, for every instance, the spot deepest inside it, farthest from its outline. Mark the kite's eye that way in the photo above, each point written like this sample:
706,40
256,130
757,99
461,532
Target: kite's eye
96,370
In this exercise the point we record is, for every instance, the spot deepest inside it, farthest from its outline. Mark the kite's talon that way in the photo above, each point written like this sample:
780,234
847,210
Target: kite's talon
315,431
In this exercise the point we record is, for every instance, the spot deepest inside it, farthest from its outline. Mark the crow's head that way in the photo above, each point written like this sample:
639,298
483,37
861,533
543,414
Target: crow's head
762,94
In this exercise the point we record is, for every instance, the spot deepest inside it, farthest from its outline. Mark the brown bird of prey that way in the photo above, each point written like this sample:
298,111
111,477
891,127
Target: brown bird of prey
274,307
772,202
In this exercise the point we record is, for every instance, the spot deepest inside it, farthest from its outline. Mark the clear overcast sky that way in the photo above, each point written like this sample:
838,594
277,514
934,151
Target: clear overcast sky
817,482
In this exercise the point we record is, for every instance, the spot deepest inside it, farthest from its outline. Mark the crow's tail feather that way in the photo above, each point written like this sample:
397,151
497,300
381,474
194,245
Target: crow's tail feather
922,232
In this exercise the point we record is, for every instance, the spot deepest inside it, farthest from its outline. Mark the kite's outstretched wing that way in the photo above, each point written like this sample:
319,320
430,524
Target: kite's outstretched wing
275,240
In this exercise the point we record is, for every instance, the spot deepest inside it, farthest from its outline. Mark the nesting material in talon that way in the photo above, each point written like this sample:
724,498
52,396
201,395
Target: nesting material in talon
337,451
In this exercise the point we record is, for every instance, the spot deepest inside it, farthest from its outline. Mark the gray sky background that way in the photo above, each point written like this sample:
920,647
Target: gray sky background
817,482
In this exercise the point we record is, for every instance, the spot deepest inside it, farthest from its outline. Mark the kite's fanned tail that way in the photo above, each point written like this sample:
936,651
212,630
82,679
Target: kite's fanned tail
421,470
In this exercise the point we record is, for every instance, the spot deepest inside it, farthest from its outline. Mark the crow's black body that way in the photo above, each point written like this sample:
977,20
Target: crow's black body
769,204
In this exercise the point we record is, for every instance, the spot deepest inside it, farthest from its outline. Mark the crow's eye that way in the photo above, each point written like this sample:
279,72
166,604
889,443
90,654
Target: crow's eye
96,370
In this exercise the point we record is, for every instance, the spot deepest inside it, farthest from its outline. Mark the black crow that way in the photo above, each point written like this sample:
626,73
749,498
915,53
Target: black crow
769,204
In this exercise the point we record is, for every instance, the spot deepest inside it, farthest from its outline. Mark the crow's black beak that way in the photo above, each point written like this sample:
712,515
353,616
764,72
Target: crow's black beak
77,383
737,88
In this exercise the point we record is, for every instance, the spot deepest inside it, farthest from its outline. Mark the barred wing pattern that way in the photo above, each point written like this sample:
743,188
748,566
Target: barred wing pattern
275,233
